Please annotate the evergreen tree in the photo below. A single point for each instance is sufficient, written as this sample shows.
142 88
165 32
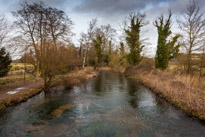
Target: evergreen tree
109 51
137 21
122 49
165 49
5 61
123 59
98 46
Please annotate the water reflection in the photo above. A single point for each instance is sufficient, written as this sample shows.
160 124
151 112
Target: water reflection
108 106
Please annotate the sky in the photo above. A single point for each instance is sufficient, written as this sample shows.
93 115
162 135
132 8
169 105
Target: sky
111 12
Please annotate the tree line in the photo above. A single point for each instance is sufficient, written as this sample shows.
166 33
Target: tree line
188 41
43 35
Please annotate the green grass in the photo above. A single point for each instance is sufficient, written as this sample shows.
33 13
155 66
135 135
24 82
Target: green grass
17 77
20 66
13 78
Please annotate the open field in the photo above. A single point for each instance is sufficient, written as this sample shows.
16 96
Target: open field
176 67
20 66
13 78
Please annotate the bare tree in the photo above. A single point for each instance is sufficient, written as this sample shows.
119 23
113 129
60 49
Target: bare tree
4 30
202 60
40 24
29 21
59 24
109 35
44 29
192 26
84 46
86 39
5 58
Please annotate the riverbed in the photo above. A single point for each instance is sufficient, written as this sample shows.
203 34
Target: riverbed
109 105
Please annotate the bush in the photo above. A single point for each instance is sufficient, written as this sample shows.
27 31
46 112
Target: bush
147 61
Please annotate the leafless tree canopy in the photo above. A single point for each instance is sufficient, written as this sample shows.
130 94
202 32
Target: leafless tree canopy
192 26
44 28
86 40
4 30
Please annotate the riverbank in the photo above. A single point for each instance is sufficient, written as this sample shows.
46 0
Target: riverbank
14 81
74 78
118 69
184 91
69 80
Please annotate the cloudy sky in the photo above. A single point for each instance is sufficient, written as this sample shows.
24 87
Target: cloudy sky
109 12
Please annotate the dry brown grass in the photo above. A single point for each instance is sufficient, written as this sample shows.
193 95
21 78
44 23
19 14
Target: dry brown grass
104 68
119 69
76 77
16 84
185 91
14 78
9 100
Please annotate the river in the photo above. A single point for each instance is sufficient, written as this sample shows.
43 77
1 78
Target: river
109 105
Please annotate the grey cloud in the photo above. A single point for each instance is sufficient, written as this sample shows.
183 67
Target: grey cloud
180 5
61 4
177 6
110 7
10 5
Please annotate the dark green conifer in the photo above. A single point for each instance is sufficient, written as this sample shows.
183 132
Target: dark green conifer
5 61
98 46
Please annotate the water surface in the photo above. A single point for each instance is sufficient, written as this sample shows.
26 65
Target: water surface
109 105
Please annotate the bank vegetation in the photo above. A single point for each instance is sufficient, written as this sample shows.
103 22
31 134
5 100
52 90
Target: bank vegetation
74 78
183 90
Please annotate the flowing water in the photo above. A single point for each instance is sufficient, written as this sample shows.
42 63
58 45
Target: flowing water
109 105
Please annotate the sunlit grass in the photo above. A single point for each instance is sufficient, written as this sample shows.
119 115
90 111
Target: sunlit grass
13 78
20 66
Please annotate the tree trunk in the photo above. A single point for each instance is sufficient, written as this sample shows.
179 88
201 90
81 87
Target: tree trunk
85 56
189 66
201 63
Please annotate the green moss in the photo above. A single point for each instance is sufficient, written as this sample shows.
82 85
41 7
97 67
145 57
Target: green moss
202 117
132 77
11 104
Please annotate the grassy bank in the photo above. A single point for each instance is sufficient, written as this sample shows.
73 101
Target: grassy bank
10 100
74 78
184 91
12 81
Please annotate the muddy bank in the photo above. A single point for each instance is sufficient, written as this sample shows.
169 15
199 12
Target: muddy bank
180 90
68 81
